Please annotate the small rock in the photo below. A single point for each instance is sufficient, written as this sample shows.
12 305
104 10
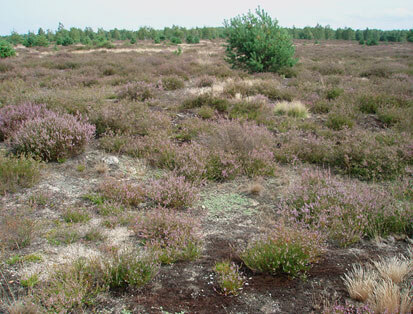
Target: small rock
111 160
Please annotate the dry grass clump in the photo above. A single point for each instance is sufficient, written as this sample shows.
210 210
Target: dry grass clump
394 268
384 287
295 109
255 188
360 282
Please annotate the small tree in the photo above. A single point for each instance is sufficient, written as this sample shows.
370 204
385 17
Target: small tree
258 44
6 49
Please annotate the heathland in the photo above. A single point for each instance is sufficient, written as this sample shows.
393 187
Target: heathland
154 178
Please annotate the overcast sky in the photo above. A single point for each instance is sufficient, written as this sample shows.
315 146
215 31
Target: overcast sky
28 15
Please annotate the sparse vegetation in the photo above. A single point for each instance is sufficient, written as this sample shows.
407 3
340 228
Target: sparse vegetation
237 191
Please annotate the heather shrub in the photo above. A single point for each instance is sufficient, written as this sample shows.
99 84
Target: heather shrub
321 107
62 235
6 49
359 154
13 117
206 112
283 250
129 268
245 144
338 121
254 109
256 43
75 216
221 166
295 109
271 91
229 278
364 156
368 104
170 235
309 148
71 287
172 191
137 91
334 93
219 104
53 137
329 69
132 119
390 116
122 191
172 83
205 81
346 211
18 172
16 231
377 71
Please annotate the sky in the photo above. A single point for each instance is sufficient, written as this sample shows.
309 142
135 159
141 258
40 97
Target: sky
28 15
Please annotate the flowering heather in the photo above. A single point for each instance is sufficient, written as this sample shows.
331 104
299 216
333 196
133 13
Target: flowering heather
248 144
137 91
172 191
359 154
122 191
172 236
229 278
346 210
129 118
53 137
12 117
285 249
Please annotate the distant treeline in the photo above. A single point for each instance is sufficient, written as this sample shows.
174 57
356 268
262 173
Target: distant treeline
177 35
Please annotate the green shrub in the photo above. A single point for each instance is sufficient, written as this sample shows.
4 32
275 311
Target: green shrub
206 112
286 250
368 104
172 83
219 104
6 49
334 93
18 172
372 42
176 40
229 279
258 44
75 216
321 107
337 121
130 269
390 116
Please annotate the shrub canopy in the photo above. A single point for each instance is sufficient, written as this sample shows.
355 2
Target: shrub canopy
258 44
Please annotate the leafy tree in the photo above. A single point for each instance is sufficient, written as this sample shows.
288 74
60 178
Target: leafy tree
258 44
